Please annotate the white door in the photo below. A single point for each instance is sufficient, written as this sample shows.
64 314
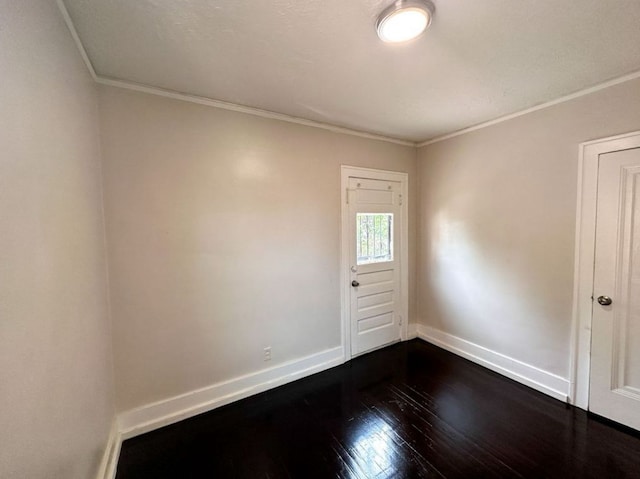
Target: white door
615 349
374 217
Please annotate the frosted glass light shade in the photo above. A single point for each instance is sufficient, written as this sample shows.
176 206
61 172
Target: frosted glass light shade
404 21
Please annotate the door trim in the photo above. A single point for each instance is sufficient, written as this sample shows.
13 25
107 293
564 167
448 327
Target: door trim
352 171
584 261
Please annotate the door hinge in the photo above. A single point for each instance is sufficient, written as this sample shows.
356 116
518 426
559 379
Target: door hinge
400 199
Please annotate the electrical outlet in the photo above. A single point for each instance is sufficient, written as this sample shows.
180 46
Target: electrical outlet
267 353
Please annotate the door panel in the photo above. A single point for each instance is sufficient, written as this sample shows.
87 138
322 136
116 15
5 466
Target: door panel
615 356
375 300
374 197
374 239
377 309
370 323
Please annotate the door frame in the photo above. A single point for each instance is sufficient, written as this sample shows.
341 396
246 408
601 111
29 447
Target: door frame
589 158
347 172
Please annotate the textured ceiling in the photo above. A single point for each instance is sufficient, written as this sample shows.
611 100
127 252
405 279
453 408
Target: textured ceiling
321 59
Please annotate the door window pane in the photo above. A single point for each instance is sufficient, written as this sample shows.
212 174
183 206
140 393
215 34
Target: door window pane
374 237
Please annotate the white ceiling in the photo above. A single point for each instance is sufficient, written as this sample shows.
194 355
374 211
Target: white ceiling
321 59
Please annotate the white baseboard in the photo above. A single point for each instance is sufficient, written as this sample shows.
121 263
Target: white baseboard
412 331
168 411
109 463
162 413
543 381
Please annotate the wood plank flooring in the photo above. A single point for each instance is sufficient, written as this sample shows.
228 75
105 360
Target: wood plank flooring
411 410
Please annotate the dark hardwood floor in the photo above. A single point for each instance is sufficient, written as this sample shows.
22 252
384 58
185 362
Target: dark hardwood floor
410 410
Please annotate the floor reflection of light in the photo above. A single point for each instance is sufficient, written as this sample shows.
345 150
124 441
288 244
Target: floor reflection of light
374 448
453 408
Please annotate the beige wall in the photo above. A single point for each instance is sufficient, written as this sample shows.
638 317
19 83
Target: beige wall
223 232
56 374
496 226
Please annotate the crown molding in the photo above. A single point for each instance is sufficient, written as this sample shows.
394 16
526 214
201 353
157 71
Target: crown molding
211 102
600 86
201 100
176 95
76 38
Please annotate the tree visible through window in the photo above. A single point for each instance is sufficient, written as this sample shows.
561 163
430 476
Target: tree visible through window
374 237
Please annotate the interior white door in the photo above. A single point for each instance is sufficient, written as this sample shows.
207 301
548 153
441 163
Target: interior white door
374 239
615 344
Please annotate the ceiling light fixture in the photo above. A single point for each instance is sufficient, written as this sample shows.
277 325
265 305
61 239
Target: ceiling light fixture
404 20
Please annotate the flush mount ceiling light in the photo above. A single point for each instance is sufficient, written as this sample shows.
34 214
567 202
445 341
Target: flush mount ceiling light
404 20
